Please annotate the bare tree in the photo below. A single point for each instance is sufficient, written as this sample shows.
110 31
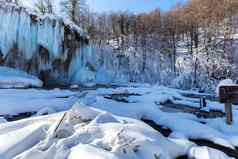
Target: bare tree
74 9
44 6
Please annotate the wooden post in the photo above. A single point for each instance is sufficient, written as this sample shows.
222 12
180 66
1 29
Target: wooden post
228 110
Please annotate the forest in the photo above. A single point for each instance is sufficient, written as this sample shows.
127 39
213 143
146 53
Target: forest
202 34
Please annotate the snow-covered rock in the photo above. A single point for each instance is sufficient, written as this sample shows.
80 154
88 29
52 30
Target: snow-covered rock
12 78
81 113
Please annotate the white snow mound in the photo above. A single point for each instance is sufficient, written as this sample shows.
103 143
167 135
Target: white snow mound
206 153
12 78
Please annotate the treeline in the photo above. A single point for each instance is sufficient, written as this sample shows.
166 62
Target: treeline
208 17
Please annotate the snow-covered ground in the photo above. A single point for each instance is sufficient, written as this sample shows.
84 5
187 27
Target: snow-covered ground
12 78
18 101
106 124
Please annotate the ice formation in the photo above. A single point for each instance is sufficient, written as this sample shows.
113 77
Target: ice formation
44 45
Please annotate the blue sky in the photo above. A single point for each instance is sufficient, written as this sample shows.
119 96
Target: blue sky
135 6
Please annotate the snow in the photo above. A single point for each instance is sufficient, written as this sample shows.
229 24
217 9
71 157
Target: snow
105 118
144 106
45 111
82 113
13 102
196 130
98 127
206 153
74 86
2 120
226 82
89 152
118 138
12 78
20 140
89 124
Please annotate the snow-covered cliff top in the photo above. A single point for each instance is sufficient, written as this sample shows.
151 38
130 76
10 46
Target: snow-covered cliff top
28 9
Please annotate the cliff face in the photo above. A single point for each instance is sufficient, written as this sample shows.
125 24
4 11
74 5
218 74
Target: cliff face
48 46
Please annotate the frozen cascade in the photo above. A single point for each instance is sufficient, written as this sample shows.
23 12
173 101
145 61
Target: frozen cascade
47 46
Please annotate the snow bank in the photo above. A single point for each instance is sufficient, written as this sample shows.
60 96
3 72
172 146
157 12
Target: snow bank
206 153
12 78
20 140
